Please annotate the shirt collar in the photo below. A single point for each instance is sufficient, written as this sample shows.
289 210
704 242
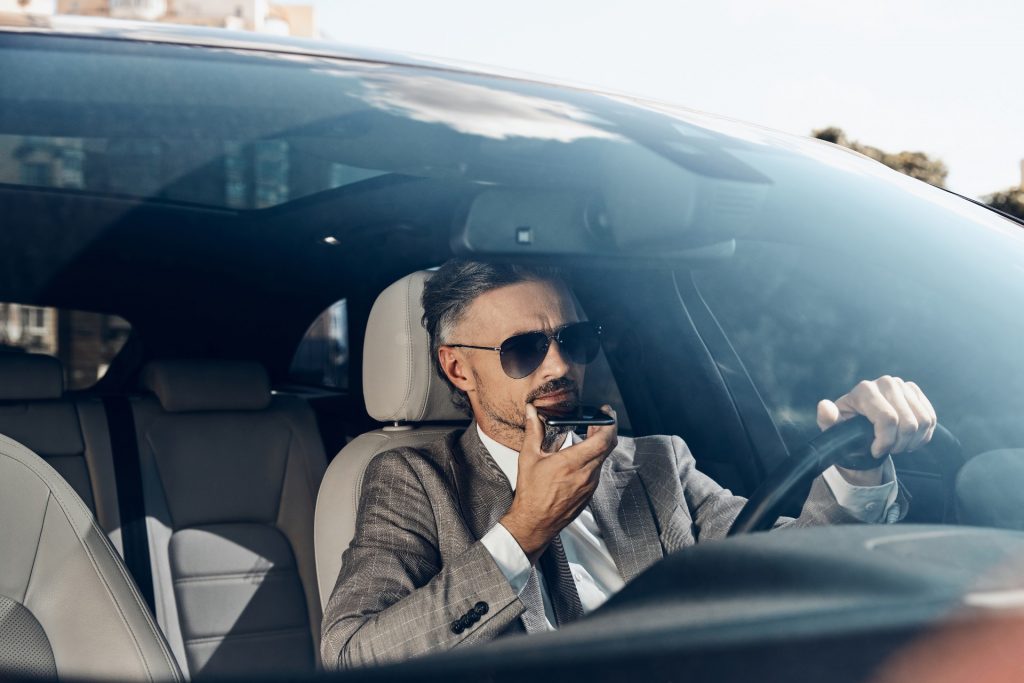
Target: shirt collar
506 458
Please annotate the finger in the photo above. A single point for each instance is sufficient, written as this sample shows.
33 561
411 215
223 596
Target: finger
906 430
921 413
866 399
592 451
609 435
828 414
933 419
534 438
607 410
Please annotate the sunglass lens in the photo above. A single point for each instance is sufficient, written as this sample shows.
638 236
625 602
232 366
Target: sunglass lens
581 342
523 353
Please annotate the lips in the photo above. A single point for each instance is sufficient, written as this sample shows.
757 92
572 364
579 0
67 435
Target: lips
559 403
557 397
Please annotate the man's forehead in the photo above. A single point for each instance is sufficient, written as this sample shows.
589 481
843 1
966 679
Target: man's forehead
522 307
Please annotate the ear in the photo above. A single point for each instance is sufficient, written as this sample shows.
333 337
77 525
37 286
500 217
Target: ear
454 365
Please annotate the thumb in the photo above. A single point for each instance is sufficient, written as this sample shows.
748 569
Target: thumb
828 414
534 438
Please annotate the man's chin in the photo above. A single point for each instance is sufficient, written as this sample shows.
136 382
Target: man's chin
553 437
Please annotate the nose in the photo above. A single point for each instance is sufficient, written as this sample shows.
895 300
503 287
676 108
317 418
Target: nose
555 364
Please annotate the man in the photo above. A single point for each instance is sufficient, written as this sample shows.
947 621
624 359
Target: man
514 525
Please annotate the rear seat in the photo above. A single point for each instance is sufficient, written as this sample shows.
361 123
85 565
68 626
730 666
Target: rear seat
71 435
230 477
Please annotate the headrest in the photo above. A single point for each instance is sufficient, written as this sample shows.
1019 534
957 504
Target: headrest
399 381
30 377
197 385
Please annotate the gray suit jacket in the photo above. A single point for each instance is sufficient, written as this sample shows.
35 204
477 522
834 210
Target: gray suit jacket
416 563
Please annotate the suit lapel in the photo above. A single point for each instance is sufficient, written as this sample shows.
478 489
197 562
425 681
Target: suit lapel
623 513
485 494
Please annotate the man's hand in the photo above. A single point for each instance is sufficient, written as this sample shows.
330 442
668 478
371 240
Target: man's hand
552 488
903 417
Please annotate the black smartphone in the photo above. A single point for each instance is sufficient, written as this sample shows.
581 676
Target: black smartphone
583 416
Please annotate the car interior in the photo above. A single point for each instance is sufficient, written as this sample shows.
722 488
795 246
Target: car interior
246 482
224 477
202 456
190 392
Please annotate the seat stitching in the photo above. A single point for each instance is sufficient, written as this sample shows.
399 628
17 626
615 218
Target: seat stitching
408 356
159 477
274 573
39 542
312 598
284 477
89 473
430 361
305 458
254 635
150 473
292 431
133 590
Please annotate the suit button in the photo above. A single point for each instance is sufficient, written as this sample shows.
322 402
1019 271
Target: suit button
457 627
473 617
480 608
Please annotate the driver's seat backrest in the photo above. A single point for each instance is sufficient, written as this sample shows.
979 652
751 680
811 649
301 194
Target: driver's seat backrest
68 608
402 389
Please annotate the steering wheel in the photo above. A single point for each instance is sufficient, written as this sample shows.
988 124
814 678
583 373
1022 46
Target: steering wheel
846 444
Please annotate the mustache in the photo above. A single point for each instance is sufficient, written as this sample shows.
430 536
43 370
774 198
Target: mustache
554 386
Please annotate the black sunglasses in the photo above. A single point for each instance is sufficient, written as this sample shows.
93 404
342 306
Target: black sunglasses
523 353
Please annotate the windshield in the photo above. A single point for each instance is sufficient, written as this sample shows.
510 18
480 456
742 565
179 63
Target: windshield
739 275
833 268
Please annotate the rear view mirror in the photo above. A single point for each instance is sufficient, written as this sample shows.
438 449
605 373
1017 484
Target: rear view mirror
501 222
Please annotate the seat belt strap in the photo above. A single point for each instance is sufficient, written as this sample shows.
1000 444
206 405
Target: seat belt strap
131 504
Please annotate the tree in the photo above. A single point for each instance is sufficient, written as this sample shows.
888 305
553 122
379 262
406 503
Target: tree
1009 201
914 164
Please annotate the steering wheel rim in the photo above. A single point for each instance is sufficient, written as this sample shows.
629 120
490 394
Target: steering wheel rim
846 444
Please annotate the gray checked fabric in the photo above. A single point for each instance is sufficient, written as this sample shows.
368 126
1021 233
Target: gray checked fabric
416 564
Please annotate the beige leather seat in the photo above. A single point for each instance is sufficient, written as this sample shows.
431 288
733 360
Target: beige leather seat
70 435
400 388
67 605
230 474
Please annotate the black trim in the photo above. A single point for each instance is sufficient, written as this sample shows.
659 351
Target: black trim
131 504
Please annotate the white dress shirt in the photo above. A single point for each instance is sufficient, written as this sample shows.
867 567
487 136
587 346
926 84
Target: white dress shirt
593 569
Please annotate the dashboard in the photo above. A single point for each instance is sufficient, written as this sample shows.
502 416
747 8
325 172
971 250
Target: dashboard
838 603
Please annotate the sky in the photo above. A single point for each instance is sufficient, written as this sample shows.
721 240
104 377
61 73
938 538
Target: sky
940 77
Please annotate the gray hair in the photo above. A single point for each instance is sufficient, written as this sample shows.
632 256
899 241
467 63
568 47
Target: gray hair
449 292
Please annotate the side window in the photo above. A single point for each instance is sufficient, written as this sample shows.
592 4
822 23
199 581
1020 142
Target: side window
321 358
809 324
84 342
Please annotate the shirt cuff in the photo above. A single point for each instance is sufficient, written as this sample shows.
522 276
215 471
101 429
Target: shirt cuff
871 504
509 557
